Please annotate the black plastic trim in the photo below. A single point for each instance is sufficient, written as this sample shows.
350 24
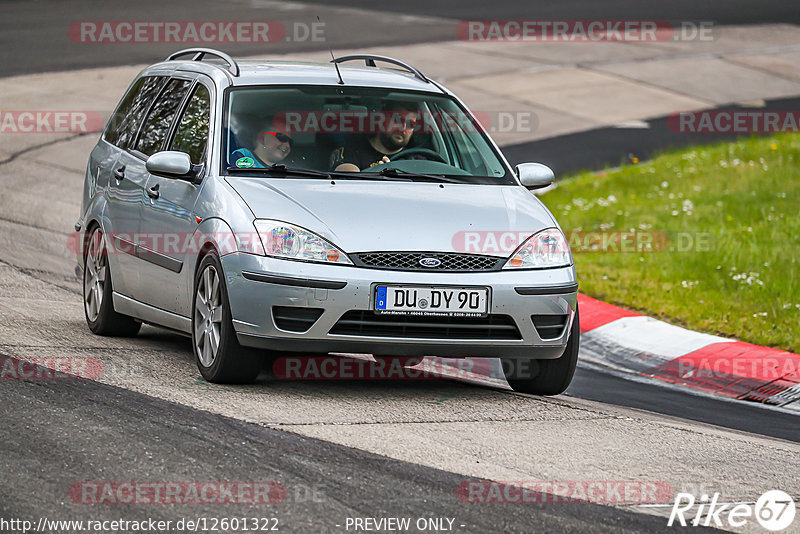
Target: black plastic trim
160 260
552 290
128 247
291 281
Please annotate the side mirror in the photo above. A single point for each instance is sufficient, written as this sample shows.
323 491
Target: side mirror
171 164
535 175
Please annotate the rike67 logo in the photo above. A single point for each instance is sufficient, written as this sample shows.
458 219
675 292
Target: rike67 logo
774 510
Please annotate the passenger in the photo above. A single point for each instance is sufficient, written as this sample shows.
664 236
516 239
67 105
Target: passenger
271 145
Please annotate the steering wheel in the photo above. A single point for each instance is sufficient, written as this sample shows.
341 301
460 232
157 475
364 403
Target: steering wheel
432 154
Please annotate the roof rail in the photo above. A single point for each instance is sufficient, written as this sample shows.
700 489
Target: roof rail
199 53
369 60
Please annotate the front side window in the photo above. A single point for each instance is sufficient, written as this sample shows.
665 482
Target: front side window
358 130
156 126
191 136
125 122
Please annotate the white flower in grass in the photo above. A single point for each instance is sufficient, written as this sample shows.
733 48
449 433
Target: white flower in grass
748 278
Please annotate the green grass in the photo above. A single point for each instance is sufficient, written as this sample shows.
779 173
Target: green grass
741 199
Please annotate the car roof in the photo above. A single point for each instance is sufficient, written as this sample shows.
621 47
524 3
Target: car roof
286 72
306 72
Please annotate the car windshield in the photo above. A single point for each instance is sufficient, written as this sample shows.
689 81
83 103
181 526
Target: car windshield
356 132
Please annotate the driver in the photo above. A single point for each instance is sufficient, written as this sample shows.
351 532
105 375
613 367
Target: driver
271 144
361 152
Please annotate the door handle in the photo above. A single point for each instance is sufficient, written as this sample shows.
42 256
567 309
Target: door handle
119 174
152 192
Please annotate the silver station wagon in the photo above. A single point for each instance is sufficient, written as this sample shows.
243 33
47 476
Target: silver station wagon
277 208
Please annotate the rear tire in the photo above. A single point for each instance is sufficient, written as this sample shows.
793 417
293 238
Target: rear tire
219 356
554 376
98 302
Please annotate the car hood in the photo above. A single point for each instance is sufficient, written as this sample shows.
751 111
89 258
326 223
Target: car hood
360 216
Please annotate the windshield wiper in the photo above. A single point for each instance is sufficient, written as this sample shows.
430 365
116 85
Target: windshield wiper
386 174
346 175
280 168
393 172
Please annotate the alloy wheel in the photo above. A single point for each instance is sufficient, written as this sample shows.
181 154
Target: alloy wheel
207 316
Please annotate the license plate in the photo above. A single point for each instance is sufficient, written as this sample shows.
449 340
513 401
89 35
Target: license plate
444 301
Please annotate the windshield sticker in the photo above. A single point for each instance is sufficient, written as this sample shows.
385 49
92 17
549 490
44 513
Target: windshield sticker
245 162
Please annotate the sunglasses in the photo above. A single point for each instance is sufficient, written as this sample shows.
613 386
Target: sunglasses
282 137
406 124
409 124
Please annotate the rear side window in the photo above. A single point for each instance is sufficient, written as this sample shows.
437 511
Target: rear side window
191 135
125 122
156 126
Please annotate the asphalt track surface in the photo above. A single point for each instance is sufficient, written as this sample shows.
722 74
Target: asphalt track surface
602 148
55 433
603 387
34 35
729 12
128 436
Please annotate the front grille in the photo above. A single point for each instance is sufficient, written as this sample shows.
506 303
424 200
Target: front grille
367 323
549 326
410 261
295 319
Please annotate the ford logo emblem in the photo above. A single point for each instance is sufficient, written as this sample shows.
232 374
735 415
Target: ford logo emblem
430 262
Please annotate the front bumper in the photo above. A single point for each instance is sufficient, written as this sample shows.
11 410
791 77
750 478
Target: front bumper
256 284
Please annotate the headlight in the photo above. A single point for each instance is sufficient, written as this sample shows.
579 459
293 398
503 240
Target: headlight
548 248
292 242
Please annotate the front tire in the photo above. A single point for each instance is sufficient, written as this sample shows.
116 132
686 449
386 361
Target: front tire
554 376
219 356
98 303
